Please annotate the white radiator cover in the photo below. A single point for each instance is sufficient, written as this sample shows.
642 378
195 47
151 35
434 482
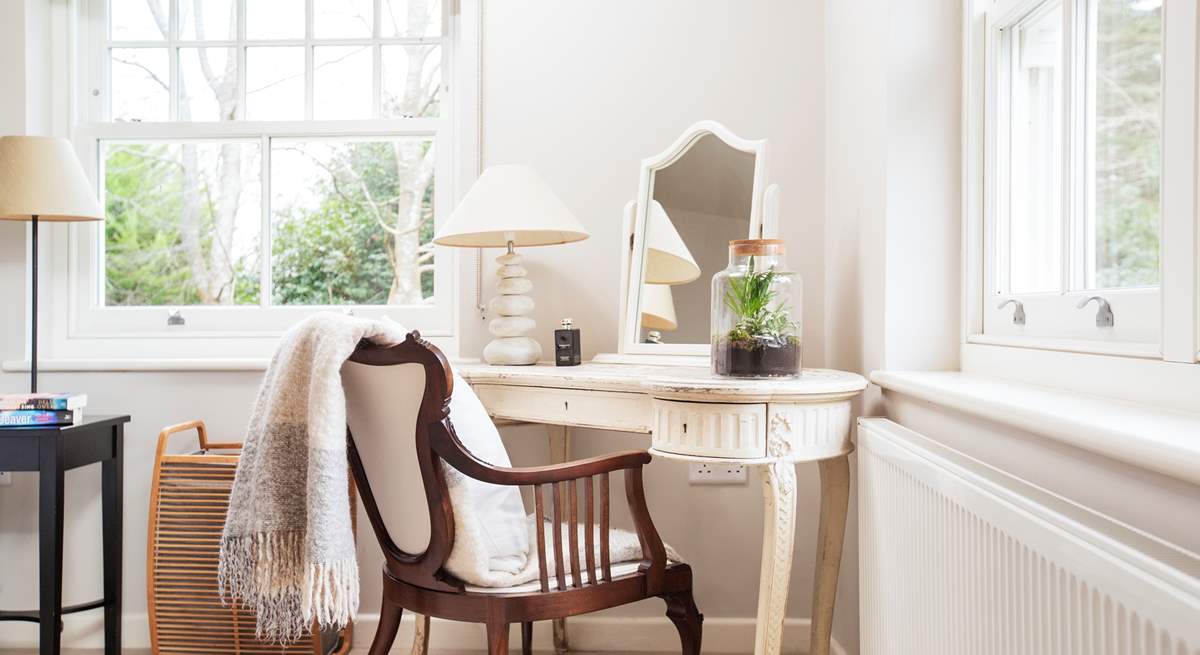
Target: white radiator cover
956 557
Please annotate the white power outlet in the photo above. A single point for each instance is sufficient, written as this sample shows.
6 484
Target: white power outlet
716 473
5 478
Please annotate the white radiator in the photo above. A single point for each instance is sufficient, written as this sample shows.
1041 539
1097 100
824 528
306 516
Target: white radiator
958 558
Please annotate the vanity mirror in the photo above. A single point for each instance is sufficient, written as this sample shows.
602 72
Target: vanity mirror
702 192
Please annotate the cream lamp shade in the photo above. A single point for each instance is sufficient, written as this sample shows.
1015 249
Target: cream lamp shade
668 260
41 176
510 203
658 307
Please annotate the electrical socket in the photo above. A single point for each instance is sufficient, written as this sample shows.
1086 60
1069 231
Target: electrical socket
5 478
717 473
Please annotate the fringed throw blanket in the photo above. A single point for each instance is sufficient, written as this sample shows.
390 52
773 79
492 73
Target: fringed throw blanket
288 547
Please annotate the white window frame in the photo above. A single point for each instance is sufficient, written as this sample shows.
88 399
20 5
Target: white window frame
81 328
1156 324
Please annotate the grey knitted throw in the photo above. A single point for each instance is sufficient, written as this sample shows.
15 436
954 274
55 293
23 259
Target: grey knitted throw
287 550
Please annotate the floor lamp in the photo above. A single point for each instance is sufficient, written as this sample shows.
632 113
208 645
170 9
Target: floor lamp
41 180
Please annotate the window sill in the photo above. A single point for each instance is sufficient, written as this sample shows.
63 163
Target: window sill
131 364
122 365
1149 437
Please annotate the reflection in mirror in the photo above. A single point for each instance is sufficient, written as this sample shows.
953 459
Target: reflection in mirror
697 205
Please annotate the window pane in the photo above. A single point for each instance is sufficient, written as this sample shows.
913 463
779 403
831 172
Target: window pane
184 223
138 20
343 18
275 83
352 221
1128 105
140 84
411 80
342 82
275 19
411 18
207 84
1034 228
207 20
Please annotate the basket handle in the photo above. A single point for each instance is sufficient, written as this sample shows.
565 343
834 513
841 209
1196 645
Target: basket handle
201 433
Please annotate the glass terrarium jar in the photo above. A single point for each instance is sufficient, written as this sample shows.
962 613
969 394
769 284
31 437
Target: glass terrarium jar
756 307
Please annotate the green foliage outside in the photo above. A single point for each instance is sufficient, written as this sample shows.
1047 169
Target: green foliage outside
338 253
1128 142
146 261
333 253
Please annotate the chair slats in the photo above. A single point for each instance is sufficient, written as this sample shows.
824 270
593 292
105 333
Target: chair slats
573 535
605 564
557 538
540 515
589 541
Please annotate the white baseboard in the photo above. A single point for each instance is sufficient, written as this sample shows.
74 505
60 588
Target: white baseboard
587 633
598 634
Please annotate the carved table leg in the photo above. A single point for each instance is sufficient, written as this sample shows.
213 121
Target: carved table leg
420 644
779 527
560 451
835 495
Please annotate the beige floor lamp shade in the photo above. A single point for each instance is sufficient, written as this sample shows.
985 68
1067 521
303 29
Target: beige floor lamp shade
41 179
511 206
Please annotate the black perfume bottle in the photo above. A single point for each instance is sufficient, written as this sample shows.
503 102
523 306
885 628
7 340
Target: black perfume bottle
566 344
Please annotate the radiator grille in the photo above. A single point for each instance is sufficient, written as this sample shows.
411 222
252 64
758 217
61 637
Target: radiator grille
958 559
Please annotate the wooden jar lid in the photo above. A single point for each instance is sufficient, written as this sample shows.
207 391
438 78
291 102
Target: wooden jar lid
756 247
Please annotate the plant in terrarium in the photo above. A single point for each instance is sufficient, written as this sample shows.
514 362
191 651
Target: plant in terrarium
762 339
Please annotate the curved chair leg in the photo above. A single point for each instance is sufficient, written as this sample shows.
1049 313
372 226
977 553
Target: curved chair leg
527 638
497 637
385 634
688 620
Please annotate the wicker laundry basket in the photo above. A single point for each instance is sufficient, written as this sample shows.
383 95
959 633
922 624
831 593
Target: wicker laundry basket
188 499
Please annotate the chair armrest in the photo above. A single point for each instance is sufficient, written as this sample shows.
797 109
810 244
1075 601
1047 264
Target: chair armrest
446 444
654 555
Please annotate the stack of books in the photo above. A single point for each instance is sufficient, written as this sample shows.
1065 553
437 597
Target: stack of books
41 409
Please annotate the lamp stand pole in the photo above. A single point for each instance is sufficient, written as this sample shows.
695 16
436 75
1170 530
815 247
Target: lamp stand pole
33 308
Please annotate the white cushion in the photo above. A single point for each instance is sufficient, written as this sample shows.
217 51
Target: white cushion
497 523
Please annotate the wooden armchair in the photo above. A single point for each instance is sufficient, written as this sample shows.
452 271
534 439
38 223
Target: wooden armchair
419 582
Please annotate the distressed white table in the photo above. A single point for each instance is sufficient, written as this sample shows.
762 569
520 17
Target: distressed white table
695 416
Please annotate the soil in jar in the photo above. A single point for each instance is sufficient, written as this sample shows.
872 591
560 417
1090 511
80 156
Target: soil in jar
757 358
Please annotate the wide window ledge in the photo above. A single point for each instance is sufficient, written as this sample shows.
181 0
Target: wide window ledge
133 364
1154 438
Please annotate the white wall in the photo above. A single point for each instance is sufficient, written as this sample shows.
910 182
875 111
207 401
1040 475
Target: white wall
891 200
582 92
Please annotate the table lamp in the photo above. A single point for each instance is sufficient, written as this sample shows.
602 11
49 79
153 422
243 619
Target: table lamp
41 179
668 260
510 206
658 307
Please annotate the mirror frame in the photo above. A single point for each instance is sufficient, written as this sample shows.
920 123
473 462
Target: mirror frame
763 224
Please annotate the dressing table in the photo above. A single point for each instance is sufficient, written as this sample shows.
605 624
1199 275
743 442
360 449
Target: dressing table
707 188
687 412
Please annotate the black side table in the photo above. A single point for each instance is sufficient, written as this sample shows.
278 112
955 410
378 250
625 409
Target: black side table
52 451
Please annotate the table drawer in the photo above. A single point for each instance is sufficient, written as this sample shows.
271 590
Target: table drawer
609 410
710 429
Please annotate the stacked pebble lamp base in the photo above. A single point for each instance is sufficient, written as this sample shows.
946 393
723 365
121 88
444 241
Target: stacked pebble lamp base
511 345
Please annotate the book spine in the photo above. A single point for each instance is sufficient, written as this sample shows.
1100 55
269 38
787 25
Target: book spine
36 404
19 418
